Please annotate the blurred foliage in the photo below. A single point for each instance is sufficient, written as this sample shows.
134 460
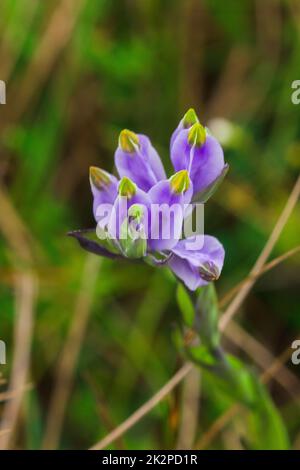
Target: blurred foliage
77 72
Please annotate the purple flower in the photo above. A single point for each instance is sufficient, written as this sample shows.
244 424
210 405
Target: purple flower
142 214
137 159
104 188
157 216
197 267
173 193
128 195
189 119
195 150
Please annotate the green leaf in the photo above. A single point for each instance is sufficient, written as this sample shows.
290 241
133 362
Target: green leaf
242 381
233 380
265 428
265 425
202 356
186 306
207 314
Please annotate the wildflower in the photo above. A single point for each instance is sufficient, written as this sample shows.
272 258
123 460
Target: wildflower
197 268
137 159
104 188
189 119
145 211
201 154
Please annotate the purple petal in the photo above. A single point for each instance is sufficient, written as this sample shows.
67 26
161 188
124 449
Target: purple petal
106 194
120 211
143 166
167 214
178 129
197 267
189 119
206 193
204 163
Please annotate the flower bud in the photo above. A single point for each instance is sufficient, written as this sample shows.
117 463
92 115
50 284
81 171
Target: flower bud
128 141
197 135
136 212
133 240
180 182
99 178
127 188
190 118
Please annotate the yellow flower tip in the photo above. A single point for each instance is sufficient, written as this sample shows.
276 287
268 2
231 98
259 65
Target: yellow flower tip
180 182
127 188
197 135
99 178
128 141
190 118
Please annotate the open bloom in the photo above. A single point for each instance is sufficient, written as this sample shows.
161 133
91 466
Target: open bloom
197 268
142 215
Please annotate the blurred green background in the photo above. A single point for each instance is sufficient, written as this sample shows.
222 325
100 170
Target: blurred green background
101 332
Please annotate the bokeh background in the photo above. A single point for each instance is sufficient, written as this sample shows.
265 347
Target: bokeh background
97 336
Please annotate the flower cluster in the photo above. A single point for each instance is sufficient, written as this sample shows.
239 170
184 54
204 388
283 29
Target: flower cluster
199 166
